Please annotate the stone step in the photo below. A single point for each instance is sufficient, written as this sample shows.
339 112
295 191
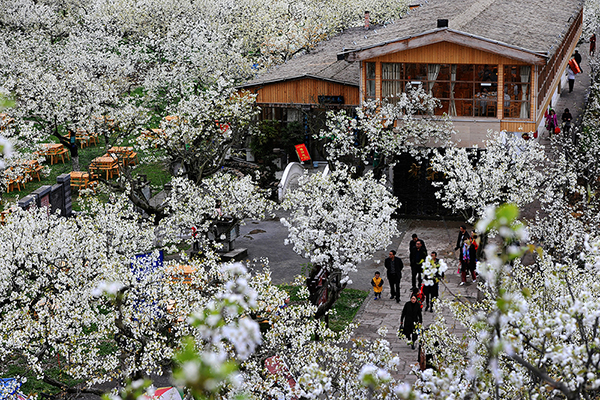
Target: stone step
235 255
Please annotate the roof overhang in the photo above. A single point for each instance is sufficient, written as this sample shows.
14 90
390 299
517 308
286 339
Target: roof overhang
445 35
294 78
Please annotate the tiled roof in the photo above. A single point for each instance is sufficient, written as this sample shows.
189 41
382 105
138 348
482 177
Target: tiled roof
320 63
535 26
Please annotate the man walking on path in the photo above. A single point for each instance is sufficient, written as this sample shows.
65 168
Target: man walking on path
412 246
577 58
416 263
393 266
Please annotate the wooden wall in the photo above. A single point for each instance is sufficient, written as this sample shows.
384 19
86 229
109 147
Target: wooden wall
517 126
304 91
446 53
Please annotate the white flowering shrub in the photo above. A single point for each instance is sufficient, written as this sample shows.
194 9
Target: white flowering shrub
433 271
508 170
336 222
383 130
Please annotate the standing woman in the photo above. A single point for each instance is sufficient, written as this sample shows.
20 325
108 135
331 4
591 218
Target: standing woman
551 122
473 257
411 315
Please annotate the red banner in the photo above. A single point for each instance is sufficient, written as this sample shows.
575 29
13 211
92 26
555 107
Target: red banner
302 152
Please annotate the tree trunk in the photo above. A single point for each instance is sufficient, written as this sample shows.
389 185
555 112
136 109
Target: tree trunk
324 289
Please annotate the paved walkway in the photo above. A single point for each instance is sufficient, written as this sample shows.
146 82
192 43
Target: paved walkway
439 236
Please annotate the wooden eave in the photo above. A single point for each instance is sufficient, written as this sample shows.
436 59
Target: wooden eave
294 78
445 35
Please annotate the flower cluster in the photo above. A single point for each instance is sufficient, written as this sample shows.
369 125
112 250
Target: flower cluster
433 271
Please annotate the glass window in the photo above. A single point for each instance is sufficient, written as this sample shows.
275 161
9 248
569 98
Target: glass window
392 75
464 90
516 91
370 87
370 70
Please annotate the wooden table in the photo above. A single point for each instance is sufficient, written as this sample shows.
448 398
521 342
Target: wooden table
80 179
86 139
125 155
54 151
32 169
106 163
15 181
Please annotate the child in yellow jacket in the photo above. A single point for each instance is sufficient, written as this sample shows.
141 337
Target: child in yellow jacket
377 284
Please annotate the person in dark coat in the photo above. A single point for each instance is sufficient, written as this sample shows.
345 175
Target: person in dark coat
566 119
418 256
411 315
577 58
412 246
462 235
394 266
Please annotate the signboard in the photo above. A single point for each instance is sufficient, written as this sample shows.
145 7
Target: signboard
302 152
276 366
143 265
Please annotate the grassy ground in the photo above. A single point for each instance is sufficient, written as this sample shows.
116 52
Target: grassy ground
345 308
156 172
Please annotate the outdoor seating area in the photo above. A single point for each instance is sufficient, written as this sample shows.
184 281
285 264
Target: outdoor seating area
15 183
81 180
54 151
105 164
28 170
86 139
125 155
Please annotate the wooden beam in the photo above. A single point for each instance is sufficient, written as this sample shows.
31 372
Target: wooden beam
446 35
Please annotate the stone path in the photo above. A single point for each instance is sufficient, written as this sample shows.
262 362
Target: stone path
439 236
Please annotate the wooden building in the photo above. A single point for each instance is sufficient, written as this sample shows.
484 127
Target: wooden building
494 64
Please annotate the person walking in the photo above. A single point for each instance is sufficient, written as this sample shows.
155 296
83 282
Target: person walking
412 246
411 315
592 45
432 291
469 261
462 235
577 58
566 120
571 76
416 264
377 284
551 122
394 266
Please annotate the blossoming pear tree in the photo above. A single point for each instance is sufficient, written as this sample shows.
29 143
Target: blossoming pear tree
336 222
89 294
381 131
508 170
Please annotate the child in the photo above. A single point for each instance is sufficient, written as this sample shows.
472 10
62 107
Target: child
377 284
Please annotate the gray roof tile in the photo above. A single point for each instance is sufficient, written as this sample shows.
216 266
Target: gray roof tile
532 25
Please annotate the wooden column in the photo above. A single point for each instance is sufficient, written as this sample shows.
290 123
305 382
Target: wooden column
362 84
500 94
378 80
